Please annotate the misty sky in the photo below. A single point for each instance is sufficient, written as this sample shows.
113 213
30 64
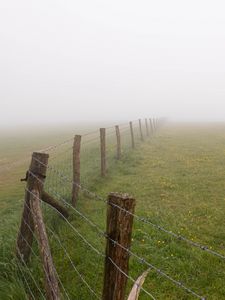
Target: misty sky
122 59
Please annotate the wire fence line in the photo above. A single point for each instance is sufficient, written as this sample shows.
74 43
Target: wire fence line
140 259
64 165
91 247
59 182
95 250
142 219
131 253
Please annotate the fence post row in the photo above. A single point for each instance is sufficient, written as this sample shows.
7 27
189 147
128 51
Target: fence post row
140 128
76 169
103 151
132 135
118 231
118 140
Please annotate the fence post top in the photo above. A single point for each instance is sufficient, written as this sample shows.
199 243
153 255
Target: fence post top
40 154
122 196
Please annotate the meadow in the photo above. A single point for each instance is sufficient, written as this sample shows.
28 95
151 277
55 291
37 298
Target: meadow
177 179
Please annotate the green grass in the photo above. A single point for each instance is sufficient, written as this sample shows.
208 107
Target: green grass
177 179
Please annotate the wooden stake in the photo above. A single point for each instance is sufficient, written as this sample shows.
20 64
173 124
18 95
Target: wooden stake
118 142
35 179
132 135
103 151
140 128
51 283
76 169
119 229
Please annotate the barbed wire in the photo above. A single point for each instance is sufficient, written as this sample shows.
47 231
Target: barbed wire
179 237
140 259
71 226
159 271
92 247
97 251
141 218
131 279
72 263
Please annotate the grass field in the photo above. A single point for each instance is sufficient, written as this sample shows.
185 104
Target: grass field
177 178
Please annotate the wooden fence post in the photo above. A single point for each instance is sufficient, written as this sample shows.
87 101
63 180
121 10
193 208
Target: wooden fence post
140 128
147 128
103 151
151 125
51 282
35 179
76 169
118 230
154 123
132 135
118 140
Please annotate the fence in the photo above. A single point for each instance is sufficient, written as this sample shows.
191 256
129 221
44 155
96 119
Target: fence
65 217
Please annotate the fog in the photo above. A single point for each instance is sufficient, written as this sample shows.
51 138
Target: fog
91 60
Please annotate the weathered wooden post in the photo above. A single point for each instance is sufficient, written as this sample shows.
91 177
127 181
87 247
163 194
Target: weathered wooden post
147 128
35 179
76 169
118 231
118 140
103 151
51 282
140 128
132 135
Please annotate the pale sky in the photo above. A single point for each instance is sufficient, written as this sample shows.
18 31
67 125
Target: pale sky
65 61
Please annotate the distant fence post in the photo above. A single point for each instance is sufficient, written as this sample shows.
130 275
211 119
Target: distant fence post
103 151
118 140
154 124
132 135
51 282
118 230
35 179
140 128
151 125
76 169
147 128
